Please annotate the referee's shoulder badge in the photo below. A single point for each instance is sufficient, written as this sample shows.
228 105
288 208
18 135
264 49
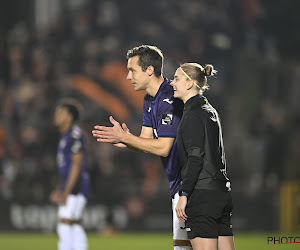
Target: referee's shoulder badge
167 119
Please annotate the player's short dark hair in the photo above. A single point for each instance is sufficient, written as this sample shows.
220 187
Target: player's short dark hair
73 107
148 56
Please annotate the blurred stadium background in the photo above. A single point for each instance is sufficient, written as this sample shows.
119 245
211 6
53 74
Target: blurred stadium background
51 49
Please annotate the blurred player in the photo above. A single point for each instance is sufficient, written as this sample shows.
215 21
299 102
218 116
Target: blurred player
72 190
160 120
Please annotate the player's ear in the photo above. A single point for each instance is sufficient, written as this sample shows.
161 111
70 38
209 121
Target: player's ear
150 70
190 84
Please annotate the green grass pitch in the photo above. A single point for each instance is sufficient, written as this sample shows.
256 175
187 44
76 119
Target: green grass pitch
124 241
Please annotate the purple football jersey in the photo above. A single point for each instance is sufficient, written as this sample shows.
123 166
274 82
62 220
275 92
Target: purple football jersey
162 112
70 143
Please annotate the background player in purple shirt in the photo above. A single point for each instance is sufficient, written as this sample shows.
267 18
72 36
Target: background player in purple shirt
161 118
72 190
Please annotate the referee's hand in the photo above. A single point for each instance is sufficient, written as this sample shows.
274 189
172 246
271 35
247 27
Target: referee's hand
180 208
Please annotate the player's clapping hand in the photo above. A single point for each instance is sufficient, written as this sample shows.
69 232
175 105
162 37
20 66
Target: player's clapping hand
120 144
110 134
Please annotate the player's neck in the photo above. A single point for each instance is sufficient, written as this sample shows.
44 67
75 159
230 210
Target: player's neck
65 127
154 85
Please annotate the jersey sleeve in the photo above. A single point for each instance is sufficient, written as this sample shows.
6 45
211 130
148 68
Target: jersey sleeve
146 119
168 117
193 131
76 142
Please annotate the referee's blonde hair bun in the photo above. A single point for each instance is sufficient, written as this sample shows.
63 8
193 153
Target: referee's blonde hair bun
209 70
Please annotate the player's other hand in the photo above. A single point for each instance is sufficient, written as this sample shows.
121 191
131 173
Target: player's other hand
58 198
54 196
62 198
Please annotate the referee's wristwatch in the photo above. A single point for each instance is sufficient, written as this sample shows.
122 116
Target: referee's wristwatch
182 193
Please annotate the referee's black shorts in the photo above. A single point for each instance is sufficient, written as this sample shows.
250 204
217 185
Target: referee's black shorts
209 214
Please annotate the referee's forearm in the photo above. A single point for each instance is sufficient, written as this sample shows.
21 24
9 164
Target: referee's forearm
193 168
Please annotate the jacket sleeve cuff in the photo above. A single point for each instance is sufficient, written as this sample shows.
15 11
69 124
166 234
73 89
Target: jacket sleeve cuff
182 193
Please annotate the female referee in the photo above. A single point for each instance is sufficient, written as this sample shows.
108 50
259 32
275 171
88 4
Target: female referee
205 203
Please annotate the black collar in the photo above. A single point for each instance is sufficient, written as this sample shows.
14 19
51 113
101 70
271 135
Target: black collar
197 99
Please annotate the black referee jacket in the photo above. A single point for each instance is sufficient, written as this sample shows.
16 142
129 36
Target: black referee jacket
200 147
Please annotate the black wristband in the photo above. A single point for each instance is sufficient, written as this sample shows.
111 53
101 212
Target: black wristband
182 193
